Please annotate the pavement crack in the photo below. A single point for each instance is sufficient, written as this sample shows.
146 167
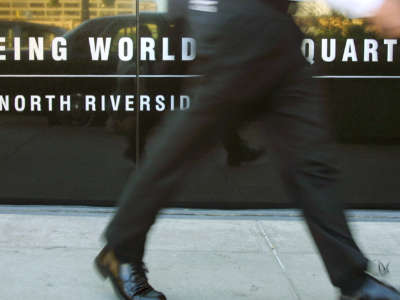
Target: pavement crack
54 247
274 251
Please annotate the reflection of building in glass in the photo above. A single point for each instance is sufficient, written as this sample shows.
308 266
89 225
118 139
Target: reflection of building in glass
67 13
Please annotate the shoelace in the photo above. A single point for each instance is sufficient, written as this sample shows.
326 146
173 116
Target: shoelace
138 275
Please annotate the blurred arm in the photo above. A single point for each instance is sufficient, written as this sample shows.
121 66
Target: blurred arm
384 14
356 8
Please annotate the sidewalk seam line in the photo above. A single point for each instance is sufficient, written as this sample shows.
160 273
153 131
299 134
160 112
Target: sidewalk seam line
276 255
2 248
291 214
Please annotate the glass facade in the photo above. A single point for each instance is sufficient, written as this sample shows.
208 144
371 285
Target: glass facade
81 98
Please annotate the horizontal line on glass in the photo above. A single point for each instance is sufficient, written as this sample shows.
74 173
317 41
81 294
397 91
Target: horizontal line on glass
92 76
359 76
176 76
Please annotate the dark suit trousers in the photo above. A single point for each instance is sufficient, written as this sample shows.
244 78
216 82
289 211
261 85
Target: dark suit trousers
253 59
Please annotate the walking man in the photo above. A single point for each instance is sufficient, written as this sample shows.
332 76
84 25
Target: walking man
250 55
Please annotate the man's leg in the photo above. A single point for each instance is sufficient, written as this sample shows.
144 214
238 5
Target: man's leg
242 38
305 149
182 139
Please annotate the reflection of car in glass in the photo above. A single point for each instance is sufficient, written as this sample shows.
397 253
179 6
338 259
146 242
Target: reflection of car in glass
79 74
12 29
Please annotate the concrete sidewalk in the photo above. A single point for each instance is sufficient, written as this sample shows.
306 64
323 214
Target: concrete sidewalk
47 253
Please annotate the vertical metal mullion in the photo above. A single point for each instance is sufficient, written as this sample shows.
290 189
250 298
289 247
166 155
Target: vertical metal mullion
137 83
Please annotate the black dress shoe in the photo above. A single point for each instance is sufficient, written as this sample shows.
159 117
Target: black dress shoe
373 289
128 279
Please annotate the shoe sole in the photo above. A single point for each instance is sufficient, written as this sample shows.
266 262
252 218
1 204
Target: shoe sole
105 274
101 270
